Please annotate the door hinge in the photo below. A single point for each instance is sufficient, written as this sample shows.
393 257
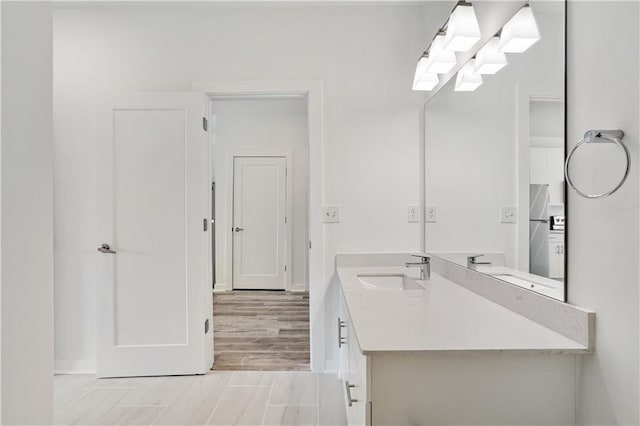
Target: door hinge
285 219
205 124
285 268
205 221
206 326
309 244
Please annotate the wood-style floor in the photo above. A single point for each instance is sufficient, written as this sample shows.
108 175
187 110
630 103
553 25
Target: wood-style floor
217 398
261 330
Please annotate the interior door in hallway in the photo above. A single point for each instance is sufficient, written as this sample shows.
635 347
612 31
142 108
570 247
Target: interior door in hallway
259 223
153 196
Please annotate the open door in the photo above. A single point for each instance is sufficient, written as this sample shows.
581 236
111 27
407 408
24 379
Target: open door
154 291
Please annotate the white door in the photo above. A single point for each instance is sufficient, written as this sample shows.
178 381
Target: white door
152 200
259 228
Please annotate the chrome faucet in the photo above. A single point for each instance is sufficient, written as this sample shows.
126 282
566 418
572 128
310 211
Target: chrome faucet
424 265
472 261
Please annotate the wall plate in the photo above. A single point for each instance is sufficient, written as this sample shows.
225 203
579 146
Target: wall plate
413 214
430 214
508 214
331 214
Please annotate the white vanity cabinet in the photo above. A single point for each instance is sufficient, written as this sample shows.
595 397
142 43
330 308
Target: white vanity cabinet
453 388
444 355
354 371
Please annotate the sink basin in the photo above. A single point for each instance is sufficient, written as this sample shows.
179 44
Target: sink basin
388 282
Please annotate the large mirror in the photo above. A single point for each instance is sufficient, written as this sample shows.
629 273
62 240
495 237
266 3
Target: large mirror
494 156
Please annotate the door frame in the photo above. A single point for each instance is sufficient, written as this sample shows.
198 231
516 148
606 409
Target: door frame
318 285
229 198
524 94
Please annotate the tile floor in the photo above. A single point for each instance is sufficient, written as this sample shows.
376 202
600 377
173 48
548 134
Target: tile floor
217 398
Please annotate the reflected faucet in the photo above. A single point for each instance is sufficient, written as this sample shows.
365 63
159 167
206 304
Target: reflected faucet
472 261
424 265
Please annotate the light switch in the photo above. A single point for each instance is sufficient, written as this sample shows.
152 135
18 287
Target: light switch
331 214
413 214
508 214
430 214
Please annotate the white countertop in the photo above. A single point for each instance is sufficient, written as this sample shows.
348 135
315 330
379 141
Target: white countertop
443 317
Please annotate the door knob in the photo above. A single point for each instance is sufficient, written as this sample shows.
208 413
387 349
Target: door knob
239 229
106 248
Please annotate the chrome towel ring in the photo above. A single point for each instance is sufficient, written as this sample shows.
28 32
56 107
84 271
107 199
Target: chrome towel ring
599 136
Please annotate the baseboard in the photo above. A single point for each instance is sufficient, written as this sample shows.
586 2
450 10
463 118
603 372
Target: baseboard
221 287
300 287
74 366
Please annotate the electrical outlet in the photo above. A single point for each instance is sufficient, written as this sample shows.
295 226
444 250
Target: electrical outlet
413 214
430 214
331 214
508 214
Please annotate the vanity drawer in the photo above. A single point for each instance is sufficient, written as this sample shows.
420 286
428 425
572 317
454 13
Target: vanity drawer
342 339
353 370
357 413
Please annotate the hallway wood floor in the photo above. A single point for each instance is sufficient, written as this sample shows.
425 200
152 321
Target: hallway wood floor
261 330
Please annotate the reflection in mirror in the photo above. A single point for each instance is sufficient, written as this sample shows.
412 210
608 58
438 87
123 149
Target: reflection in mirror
494 156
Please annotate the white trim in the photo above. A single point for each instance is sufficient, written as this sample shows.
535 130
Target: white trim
74 366
312 89
221 288
422 187
298 287
229 194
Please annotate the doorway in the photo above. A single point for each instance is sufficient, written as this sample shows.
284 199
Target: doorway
260 163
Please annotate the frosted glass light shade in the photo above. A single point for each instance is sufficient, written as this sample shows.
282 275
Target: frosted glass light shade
439 60
520 33
424 80
489 59
467 80
463 30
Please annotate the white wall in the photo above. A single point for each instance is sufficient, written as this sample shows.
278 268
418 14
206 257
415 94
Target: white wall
0 209
471 152
603 241
364 55
264 125
27 214
546 154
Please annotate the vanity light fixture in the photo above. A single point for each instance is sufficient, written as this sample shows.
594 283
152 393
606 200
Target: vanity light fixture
424 80
462 30
489 59
520 33
438 60
467 79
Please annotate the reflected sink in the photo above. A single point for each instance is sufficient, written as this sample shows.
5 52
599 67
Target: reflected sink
521 282
388 282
